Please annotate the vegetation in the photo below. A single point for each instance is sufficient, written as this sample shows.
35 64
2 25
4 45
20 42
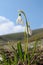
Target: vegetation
18 57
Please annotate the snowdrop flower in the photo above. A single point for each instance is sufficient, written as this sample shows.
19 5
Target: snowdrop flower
29 31
19 20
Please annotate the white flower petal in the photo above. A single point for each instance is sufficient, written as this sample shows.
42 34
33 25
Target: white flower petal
19 20
30 31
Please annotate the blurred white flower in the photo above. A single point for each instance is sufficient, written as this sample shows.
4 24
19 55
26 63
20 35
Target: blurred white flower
19 20
29 31
1 59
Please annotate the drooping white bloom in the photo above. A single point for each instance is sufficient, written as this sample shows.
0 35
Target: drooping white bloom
29 31
19 20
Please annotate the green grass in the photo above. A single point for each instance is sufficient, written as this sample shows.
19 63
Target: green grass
19 55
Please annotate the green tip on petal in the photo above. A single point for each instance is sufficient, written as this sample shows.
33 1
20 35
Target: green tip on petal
19 14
